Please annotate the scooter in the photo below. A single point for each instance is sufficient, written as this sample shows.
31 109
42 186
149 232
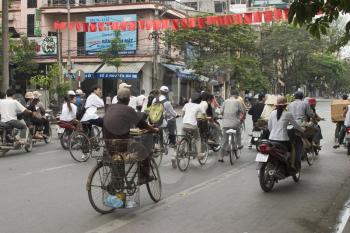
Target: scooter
274 164
9 140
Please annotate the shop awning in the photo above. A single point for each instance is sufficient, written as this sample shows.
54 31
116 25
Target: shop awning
182 72
125 71
89 69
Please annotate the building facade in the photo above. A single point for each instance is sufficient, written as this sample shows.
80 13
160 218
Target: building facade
35 19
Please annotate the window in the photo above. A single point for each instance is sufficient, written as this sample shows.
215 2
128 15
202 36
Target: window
31 3
52 34
81 43
220 7
192 5
30 25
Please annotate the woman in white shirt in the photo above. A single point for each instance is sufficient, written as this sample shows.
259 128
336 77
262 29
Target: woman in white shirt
190 112
278 122
69 109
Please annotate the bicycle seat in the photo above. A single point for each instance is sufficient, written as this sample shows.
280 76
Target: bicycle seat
231 131
66 125
279 146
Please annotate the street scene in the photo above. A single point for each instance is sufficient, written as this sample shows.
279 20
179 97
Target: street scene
175 116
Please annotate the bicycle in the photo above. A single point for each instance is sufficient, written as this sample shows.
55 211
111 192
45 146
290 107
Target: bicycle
117 174
234 151
186 150
160 144
84 140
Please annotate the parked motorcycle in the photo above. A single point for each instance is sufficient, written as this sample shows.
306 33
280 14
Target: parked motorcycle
9 141
274 165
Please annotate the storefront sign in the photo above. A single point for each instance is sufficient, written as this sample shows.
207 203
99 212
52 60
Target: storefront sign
100 40
117 76
46 46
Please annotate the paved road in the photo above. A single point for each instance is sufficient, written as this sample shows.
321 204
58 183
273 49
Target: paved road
44 192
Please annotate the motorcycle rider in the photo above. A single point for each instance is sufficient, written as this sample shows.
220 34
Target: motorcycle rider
301 112
278 122
231 119
9 109
39 109
94 102
255 111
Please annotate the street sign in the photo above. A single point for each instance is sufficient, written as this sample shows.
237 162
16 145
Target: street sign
80 76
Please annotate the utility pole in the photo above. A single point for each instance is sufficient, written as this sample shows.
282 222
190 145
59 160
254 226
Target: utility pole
59 56
5 47
69 63
155 36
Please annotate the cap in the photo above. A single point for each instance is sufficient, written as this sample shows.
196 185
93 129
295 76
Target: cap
123 85
36 94
29 95
79 92
123 93
70 92
164 88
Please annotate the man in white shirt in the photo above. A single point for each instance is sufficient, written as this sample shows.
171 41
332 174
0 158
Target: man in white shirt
141 101
9 108
94 102
133 99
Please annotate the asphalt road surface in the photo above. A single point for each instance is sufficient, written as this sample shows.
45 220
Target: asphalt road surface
44 192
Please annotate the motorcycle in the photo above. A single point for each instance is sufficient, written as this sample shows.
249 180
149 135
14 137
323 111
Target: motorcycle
347 139
274 165
9 140
37 132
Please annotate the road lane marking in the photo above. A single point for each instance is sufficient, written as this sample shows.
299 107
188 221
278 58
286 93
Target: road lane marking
114 225
343 218
49 169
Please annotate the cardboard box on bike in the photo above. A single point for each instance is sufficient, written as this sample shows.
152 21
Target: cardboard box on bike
337 109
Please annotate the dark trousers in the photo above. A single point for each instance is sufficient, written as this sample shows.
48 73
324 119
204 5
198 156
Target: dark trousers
98 122
19 124
42 122
341 135
172 129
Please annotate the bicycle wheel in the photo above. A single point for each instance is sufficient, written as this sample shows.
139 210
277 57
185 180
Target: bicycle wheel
182 155
154 187
97 185
79 146
205 149
64 139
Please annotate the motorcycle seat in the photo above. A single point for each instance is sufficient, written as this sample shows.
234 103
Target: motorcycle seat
279 146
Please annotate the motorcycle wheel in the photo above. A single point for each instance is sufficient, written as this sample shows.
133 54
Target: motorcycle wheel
348 148
29 146
266 182
296 177
48 139
310 157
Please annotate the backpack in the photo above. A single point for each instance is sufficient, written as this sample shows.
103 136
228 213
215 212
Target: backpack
155 112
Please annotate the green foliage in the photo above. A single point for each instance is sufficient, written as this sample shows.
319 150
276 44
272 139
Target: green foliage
47 81
110 56
303 13
222 50
22 53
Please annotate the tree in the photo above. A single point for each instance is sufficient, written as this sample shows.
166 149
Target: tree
304 12
221 50
110 56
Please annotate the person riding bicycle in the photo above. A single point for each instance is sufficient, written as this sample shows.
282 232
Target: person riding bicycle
301 112
9 110
133 99
278 122
69 109
231 119
169 120
189 119
118 121
93 103
202 118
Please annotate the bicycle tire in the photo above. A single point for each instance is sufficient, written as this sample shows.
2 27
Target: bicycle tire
157 154
154 187
79 142
96 172
205 148
64 139
183 155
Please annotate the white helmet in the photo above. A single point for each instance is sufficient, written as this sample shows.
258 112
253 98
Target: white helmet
164 89
70 92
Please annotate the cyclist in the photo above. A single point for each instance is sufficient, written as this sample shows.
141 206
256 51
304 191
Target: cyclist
69 109
133 99
231 119
301 112
278 122
189 113
202 118
94 102
118 121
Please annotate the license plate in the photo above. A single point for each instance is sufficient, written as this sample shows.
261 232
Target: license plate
261 158
256 134
60 130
